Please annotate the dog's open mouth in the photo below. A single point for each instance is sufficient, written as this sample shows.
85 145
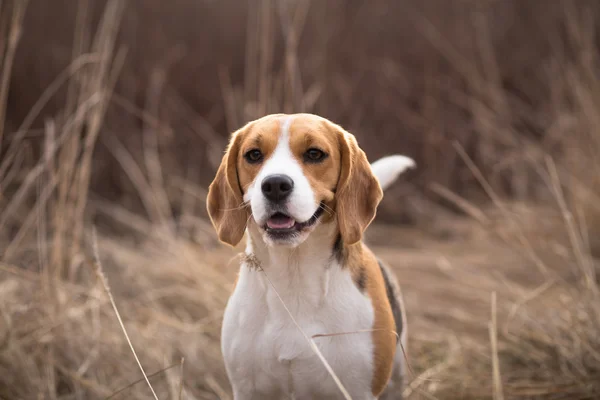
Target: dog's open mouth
280 223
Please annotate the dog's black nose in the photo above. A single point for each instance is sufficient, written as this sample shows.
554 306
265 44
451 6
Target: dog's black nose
277 187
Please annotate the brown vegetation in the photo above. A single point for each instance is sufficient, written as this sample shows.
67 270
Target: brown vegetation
115 113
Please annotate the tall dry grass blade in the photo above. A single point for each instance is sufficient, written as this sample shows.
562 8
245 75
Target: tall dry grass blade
70 153
198 125
152 375
429 373
311 342
142 115
102 80
543 269
49 143
150 152
69 156
136 176
292 24
212 383
15 167
43 196
43 199
121 215
181 379
466 206
100 274
251 78
42 234
527 298
81 42
4 23
32 175
229 100
436 38
584 261
37 108
493 331
265 79
318 335
14 35
81 189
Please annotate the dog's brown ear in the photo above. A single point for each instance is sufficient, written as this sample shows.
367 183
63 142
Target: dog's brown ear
224 202
358 193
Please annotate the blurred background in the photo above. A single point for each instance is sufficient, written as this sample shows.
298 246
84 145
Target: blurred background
115 114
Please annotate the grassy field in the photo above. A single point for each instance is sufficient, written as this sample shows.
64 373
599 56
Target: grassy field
114 115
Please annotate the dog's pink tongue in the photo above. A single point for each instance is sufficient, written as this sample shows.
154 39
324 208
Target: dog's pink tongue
280 222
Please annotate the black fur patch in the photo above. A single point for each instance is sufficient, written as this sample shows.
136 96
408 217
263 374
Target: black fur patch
338 249
396 308
361 281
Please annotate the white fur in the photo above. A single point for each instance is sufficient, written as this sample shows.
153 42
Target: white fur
265 355
387 169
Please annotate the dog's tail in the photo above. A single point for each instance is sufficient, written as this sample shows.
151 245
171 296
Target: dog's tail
387 169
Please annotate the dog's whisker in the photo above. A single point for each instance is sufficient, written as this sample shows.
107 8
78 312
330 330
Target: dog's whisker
248 220
327 209
240 207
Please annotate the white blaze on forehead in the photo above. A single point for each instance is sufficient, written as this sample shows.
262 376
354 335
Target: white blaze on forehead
285 131
301 204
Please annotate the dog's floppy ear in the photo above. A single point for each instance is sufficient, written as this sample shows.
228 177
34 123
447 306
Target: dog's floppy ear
224 202
358 192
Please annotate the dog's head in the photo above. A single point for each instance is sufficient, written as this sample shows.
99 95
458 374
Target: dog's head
289 173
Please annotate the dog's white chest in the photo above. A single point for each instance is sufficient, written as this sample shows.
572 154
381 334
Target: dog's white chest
268 357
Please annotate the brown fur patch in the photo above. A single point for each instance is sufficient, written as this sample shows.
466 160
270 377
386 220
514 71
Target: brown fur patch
359 191
306 132
224 202
263 136
362 262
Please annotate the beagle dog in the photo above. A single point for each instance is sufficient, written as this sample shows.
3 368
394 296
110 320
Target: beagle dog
303 191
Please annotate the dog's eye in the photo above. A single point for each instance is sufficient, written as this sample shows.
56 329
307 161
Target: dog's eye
314 155
253 156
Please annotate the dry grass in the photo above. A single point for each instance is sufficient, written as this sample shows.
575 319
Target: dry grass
503 301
